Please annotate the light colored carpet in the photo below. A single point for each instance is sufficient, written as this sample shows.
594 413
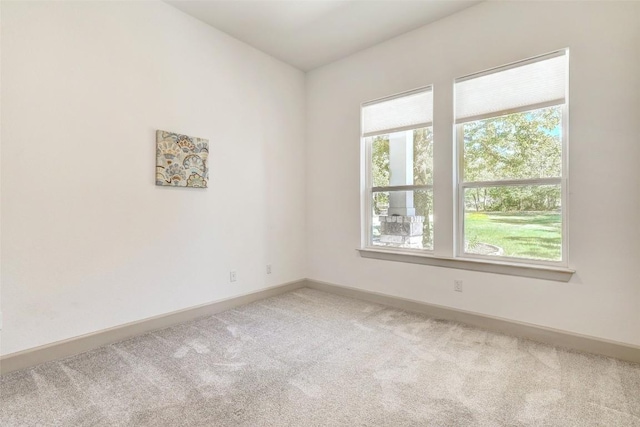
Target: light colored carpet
309 358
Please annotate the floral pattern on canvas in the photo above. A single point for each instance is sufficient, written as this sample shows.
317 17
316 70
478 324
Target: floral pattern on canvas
181 160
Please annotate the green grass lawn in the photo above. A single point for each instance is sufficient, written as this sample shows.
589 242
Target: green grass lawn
535 235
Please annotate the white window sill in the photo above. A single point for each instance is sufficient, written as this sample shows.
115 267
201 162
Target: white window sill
546 272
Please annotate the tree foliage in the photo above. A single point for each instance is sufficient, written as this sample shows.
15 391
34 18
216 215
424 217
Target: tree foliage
423 175
380 161
515 146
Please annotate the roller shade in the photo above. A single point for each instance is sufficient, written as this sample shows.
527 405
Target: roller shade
402 112
536 83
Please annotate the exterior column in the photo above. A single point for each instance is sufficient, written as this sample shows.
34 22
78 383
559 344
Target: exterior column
401 173
401 227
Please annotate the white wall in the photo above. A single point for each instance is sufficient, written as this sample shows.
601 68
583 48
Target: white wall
88 240
603 297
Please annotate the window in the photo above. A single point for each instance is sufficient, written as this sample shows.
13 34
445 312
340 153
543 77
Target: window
511 148
398 142
506 211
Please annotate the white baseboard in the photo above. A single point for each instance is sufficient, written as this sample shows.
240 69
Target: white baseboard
69 347
533 332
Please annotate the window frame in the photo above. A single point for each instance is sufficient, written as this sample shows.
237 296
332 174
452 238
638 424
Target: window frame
460 185
447 242
366 141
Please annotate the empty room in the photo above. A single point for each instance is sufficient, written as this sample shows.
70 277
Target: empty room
319 213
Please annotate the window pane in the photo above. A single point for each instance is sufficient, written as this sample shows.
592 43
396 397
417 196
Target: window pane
519 222
403 219
515 146
402 158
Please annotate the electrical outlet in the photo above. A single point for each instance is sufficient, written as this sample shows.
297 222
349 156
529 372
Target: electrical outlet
232 276
268 268
457 285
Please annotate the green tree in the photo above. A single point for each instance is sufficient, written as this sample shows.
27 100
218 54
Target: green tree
515 146
423 175
380 170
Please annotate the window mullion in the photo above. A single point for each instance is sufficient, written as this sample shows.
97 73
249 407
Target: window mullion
401 188
512 182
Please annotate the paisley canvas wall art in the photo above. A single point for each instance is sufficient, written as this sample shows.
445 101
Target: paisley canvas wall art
181 160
